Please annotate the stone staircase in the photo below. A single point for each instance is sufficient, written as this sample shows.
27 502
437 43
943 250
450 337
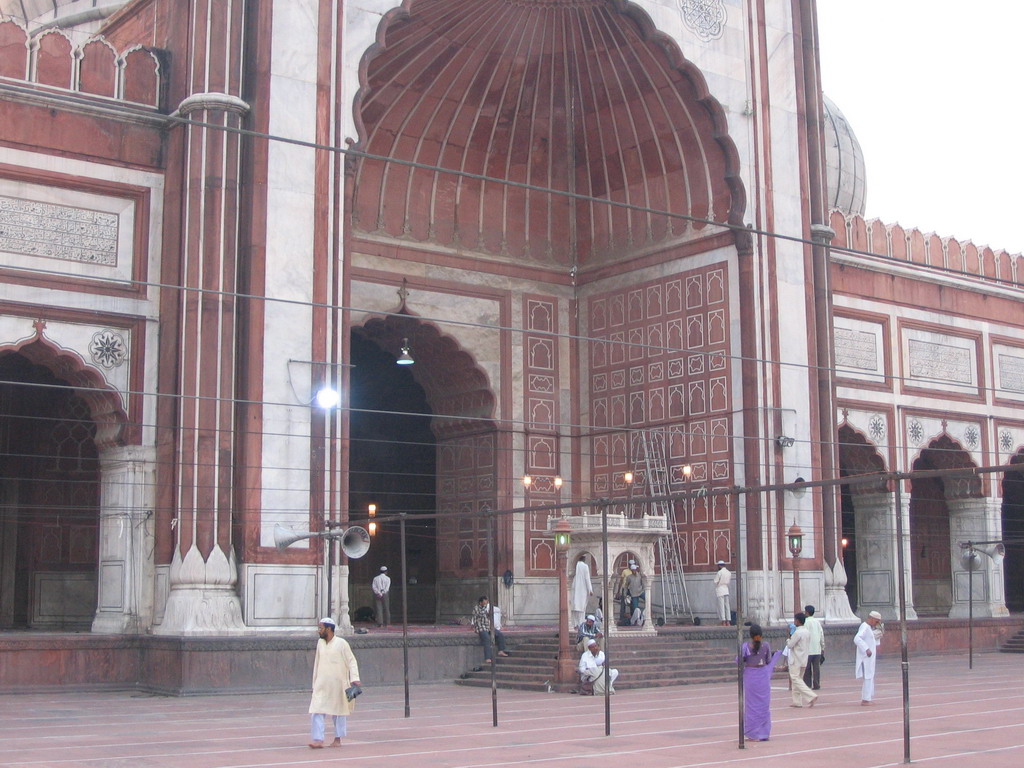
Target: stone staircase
643 662
1014 645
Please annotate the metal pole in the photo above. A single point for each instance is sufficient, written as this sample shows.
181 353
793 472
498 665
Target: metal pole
904 662
970 609
330 572
405 615
740 613
490 608
608 635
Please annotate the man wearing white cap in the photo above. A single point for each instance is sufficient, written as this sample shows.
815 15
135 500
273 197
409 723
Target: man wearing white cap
381 586
591 670
335 673
587 631
867 647
722 579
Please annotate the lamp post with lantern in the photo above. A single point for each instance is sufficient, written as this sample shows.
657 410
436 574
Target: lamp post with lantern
564 670
795 539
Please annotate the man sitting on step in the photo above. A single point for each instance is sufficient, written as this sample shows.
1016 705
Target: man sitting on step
591 671
587 631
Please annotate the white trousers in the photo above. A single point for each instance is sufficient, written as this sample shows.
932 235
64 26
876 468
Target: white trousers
867 690
723 608
613 675
316 728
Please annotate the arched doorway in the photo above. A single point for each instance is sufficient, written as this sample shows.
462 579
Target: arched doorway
392 465
934 501
1013 535
424 441
49 500
868 536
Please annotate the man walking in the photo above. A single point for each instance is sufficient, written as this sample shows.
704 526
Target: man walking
798 645
722 579
816 651
334 672
482 626
867 646
381 586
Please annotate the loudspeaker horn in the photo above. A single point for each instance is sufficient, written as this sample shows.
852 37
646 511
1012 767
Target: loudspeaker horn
996 551
355 542
971 560
285 537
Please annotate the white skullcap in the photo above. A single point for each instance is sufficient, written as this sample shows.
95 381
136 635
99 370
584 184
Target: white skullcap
383 568
327 621
591 617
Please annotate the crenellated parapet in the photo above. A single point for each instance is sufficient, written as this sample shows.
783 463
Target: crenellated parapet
927 249
94 68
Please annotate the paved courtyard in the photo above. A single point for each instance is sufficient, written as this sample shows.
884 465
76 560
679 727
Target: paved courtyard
960 719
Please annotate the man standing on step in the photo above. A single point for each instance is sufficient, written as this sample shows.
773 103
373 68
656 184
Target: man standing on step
816 652
582 589
482 626
722 579
381 586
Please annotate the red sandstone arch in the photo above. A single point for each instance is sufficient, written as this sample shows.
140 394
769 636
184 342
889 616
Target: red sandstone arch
582 96
858 456
104 402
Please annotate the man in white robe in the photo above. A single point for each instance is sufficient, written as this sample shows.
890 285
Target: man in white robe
591 669
721 581
334 671
582 589
867 647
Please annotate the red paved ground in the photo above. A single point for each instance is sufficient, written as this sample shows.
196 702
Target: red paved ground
960 719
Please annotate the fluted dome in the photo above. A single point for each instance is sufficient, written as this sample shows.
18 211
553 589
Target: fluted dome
844 163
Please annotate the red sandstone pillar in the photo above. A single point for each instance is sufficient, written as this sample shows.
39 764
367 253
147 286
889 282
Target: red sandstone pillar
203 597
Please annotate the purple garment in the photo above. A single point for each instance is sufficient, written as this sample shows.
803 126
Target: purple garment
757 690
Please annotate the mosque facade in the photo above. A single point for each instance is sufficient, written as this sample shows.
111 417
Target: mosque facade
616 237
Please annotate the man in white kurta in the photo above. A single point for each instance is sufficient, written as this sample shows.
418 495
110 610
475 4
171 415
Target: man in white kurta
867 646
334 671
582 589
381 586
722 578
799 644
591 669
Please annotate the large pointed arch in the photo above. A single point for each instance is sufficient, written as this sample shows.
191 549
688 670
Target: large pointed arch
584 96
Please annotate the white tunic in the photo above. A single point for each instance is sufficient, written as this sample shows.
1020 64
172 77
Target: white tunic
334 669
865 641
581 587
722 579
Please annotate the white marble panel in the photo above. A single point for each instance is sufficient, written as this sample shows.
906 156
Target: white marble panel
277 595
859 349
111 586
294 46
939 361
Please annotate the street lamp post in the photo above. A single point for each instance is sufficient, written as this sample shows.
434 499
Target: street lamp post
565 666
796 545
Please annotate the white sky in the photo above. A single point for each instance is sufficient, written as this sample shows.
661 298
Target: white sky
934 90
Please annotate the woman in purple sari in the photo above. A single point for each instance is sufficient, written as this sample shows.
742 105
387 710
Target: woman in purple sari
758 666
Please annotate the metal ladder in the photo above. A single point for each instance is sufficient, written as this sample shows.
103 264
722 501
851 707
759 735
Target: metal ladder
649 447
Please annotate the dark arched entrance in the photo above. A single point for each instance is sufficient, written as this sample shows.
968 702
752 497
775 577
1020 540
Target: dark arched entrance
392 465
1013 535
49 500
424 441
